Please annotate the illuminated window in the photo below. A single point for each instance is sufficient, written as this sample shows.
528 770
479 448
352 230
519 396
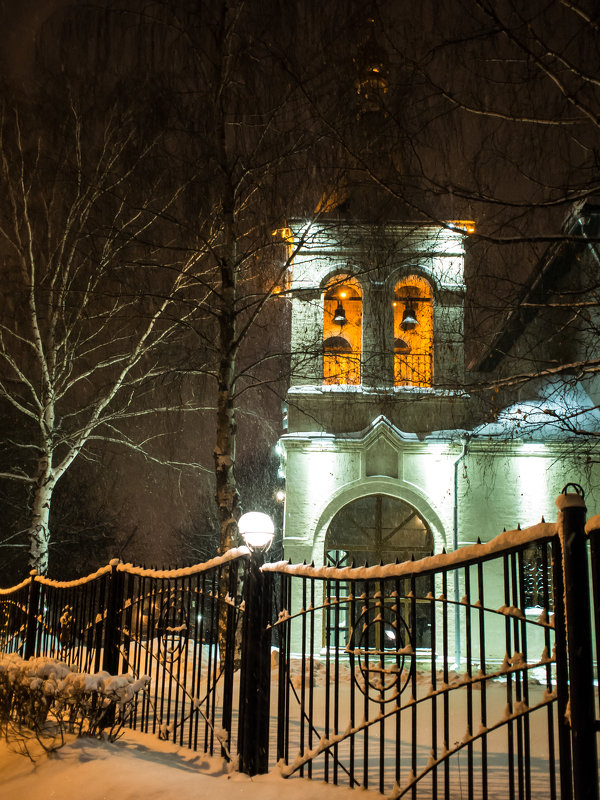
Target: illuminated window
413 332
342 331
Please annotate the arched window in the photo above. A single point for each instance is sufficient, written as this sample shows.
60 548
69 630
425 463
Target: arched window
413 332
342 331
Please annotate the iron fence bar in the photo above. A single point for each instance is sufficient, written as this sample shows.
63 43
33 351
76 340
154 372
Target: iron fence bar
227 710
336 685
399 645
446 699
380 645
327 604
164 595
282 676
364 677
303 672
311 690
136 588
518 723
524 651
353 614
288 606
509 698
413 710
195 658
129 651
33 610
199 661
75 626
181 644
86 618
155 656
215 662
81 618
433 669
175 653
97 626
469 673
44 642
483 669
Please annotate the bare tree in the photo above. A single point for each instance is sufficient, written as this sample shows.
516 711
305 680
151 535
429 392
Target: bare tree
89 306
238 122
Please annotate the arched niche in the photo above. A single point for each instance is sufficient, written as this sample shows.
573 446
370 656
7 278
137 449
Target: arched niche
413 332
378 527
342 331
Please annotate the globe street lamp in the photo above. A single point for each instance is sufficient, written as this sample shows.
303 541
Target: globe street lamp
257 531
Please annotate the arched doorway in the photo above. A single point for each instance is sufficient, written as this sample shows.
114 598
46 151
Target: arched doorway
373 529
377 528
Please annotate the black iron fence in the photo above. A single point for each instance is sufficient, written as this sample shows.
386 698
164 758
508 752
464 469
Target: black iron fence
444 677
176 626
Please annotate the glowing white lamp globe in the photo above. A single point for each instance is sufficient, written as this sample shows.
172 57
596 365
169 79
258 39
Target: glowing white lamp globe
257 530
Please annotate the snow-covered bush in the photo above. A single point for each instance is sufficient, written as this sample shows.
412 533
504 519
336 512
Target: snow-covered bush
48 698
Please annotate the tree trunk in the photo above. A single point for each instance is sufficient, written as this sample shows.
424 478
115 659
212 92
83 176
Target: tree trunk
39 530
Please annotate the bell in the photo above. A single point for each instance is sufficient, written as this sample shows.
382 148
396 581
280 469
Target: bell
340 315
409 319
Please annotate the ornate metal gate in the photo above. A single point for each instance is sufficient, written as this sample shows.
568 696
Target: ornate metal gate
364 698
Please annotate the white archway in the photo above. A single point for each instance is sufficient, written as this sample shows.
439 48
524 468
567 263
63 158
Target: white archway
398 489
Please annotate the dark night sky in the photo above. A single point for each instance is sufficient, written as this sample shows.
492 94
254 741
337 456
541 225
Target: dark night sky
19 23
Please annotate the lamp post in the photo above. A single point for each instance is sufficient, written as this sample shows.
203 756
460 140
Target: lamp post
257 530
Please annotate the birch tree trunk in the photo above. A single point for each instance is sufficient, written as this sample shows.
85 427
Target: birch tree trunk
39 529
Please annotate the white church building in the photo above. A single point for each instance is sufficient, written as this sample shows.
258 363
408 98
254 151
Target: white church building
389 450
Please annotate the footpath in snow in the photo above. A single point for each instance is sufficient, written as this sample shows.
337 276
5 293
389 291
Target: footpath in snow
140 767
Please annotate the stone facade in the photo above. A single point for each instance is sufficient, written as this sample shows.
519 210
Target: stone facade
425 448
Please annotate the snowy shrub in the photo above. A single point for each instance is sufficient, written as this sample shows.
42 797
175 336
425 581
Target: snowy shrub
47 698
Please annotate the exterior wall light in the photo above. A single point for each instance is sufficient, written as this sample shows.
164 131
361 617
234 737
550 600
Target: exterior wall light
257 530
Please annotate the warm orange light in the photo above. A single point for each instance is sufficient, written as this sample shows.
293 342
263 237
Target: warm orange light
286 234
466 225
413 346
342 347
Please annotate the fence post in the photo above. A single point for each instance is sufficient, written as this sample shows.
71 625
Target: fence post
255 671
571 530
33 610
110 659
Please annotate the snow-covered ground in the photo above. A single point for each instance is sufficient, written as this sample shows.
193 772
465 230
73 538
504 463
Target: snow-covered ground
140 767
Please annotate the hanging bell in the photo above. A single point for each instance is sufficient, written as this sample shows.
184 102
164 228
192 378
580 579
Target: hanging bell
340 314
409 319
